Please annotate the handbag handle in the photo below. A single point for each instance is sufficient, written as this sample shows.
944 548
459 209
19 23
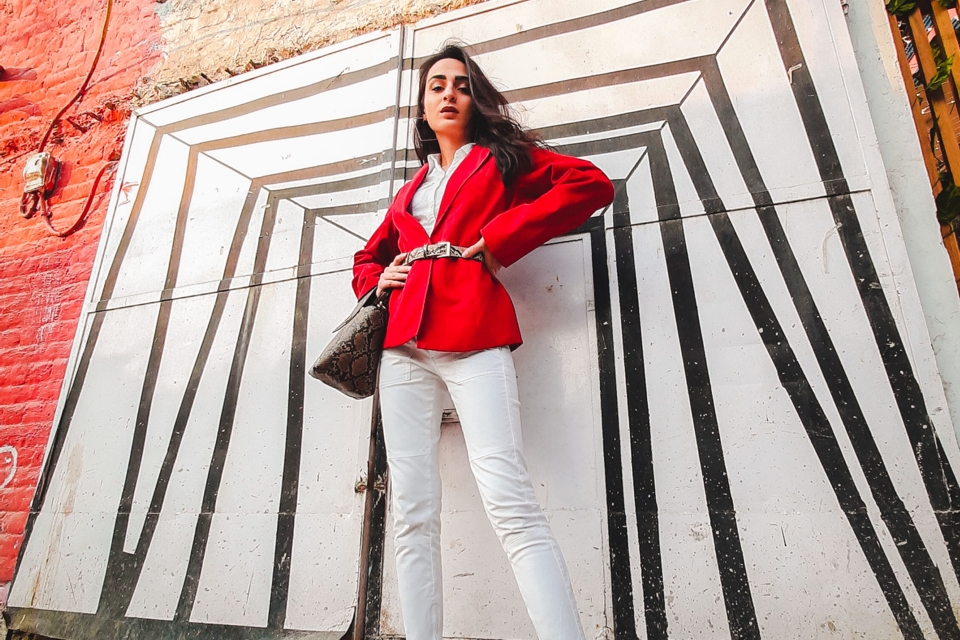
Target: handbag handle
368 299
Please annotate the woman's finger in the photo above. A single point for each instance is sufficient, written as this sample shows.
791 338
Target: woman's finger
397 271
400 258
475 249
390 282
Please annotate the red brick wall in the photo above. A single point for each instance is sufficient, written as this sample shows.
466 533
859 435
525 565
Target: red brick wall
46 49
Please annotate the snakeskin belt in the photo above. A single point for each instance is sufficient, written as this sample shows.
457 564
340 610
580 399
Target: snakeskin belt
438 250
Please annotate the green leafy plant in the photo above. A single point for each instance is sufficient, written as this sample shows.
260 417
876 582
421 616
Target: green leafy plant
944 65
943 72
946 4
948 200
901 7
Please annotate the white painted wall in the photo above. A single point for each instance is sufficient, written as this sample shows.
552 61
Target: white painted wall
692 435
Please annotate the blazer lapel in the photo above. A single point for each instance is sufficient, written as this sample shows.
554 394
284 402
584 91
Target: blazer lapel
412 189
405 197
474 160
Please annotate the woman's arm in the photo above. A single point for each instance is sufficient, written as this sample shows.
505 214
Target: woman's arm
379 252
563 192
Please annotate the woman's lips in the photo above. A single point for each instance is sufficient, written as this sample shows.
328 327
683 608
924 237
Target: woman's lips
449 110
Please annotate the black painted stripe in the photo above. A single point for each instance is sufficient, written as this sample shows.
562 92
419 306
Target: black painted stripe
621 581
734 581
319 171
343 210
290 483
805 402
341 227
625 76
397 110
624 620
387 175
569 26
938 476
638 417
605 145
208 504
295 131
609 123
409 113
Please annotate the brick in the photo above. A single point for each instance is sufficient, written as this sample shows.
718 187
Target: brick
29 459
13 522
19 435
7 566
16 499
25 372
21 486
9 544
12 414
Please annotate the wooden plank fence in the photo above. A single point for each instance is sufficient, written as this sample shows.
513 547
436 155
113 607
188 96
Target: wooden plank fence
925 32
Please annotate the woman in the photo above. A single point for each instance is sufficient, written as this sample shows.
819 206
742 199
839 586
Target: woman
487 195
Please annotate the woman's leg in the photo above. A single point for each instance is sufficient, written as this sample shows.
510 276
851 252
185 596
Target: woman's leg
483 386
410 402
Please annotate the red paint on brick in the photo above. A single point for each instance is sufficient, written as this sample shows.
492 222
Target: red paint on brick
47 51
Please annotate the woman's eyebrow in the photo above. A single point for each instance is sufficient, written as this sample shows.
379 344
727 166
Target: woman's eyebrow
440 76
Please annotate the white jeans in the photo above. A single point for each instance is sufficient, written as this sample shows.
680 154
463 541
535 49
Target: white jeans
483 386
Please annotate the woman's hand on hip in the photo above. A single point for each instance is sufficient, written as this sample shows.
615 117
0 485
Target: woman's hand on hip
489 260
394 276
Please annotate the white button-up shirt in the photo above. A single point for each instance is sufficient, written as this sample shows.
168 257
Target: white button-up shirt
426 201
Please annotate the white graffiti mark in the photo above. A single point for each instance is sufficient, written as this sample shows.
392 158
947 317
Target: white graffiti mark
8 455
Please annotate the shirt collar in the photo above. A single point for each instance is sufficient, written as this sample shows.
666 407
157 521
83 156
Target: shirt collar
433 160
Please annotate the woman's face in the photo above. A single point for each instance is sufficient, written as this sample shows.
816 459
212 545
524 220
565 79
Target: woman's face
447 104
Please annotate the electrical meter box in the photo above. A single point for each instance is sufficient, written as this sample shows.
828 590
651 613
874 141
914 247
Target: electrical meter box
40 172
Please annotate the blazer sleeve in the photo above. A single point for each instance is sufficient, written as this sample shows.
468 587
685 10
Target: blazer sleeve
379 252
559 194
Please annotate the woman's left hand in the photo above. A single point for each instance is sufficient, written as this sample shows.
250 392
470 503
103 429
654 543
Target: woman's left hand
489 260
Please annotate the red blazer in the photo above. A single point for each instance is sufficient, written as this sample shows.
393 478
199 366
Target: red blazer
450 304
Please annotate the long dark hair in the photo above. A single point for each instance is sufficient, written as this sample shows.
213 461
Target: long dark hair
492 124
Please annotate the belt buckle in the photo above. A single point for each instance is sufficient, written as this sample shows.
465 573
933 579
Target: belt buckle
444 248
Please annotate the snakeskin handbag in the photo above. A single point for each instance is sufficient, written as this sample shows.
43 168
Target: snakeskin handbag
350 362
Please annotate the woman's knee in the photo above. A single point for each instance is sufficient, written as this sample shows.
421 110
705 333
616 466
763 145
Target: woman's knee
415 519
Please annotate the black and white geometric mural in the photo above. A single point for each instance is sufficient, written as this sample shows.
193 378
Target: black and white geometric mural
731 407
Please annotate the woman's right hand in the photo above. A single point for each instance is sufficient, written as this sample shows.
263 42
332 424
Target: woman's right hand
394 276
